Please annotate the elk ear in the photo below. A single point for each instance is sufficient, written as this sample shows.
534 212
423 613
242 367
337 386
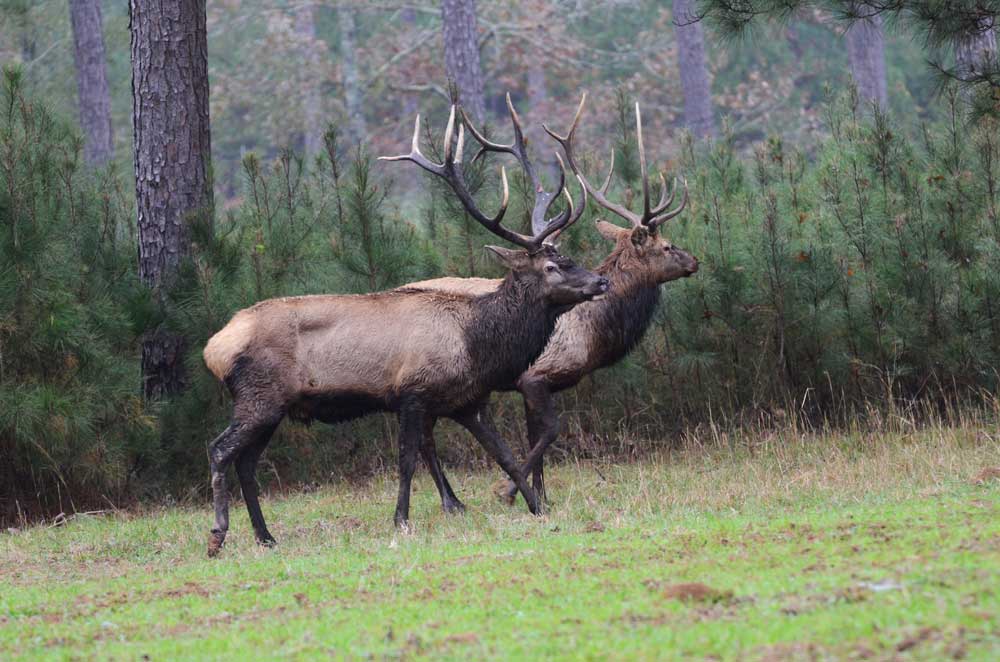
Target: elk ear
512 259
609 231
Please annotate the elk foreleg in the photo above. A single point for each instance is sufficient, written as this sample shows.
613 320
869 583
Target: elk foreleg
449 502
477 420
543 428
411 427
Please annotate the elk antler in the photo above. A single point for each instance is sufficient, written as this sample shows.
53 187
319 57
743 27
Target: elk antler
540 223
651 217
451 171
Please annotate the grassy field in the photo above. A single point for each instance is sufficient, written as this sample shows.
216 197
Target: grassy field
823 548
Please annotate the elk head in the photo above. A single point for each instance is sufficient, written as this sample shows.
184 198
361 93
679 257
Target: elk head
538 264
642 249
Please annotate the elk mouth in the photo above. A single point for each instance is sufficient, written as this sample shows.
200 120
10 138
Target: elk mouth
599 289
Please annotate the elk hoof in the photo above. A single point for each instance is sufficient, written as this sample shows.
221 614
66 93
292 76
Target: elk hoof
215 543
268 542
453 507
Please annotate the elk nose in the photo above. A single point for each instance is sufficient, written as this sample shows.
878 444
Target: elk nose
603 283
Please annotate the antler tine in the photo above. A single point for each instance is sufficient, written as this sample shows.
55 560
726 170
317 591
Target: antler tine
461 144
563 189
646 215
449 133
611 172
566 142
515 148
568 138
415 155
484 144
568 217
559 189
665 200
516 121
656 222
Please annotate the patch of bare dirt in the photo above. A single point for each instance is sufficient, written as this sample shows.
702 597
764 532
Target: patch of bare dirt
696 592
796 650
465 638
922 635
188 588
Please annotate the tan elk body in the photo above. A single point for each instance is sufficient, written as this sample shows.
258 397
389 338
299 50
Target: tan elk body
375 346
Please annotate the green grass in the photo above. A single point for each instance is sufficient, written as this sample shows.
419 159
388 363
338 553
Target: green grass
816 548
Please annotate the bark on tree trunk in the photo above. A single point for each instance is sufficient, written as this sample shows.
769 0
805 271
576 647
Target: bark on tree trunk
695 81
866 53
461 54
975 50
92 81
172 159
312 103
353 93
538 95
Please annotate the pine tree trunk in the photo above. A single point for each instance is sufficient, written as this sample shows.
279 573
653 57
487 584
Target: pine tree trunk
92 81
461 54
975 50
866 53
312 103
172 159
695 81
353 94
538 96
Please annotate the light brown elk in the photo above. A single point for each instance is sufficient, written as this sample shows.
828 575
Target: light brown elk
595 334
421 354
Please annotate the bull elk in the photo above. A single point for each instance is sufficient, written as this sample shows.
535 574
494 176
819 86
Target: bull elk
418 353
595 334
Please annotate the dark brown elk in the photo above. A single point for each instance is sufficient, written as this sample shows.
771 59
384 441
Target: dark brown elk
418 353
599 333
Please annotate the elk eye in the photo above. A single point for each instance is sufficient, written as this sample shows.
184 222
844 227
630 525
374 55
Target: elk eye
549 268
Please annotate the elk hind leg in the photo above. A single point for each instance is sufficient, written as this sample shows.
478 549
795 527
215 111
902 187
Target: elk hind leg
246 470
220 455
543 428
428 449
248 425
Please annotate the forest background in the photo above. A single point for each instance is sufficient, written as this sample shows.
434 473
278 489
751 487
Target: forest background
844 200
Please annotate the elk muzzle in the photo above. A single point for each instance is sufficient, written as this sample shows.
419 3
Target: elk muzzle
687 262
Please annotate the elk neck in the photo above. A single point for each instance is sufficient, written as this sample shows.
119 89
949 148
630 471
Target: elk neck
623 315
508 330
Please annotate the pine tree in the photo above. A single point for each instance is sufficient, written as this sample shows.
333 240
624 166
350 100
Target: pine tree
172 161
92 81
